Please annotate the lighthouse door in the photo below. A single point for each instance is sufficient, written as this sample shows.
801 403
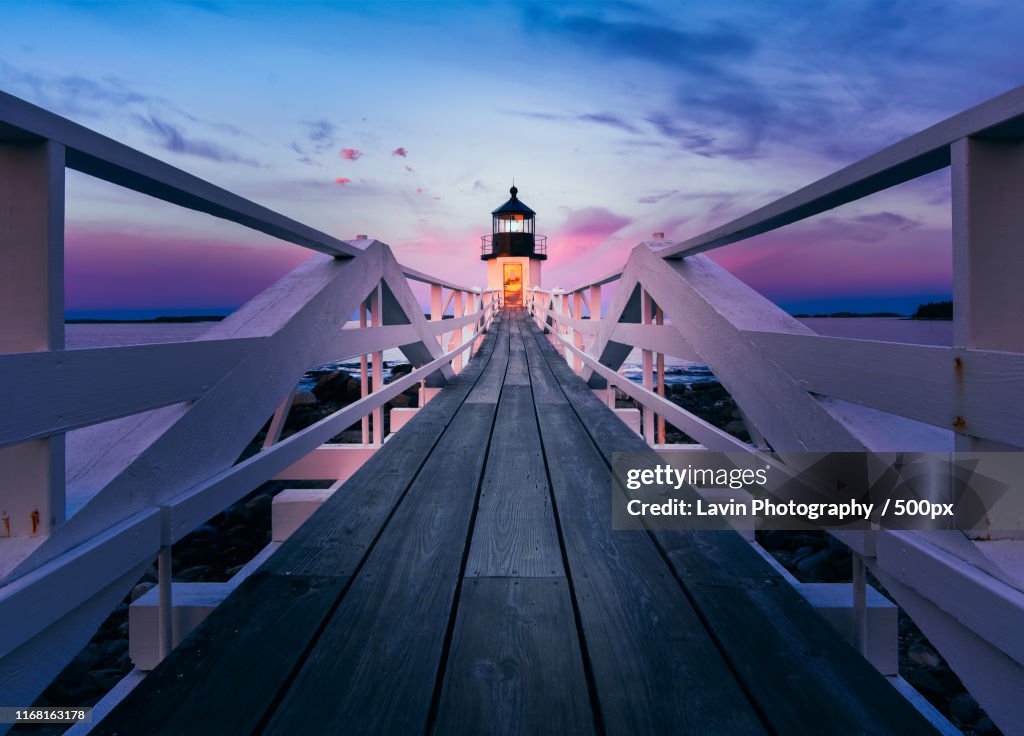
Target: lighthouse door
513 285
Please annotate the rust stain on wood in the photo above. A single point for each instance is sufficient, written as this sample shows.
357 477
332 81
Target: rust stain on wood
35 521
960 424
958 366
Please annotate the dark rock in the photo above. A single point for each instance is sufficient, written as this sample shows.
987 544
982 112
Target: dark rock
332 386
812 562
984 726
260 505
400 369
964 708
401 401
925 682
304 398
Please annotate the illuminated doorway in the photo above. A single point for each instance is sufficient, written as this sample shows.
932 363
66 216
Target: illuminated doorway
513 284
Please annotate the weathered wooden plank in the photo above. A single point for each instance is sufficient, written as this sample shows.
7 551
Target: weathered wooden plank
375 666
518 372
488 389
546 390
655 668
226 675
515 533
515 665
335 539
803 677
287 601
773 639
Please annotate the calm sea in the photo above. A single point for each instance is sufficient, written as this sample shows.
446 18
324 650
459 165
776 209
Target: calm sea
676 371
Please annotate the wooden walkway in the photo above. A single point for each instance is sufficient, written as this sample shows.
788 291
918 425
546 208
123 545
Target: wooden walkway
467 581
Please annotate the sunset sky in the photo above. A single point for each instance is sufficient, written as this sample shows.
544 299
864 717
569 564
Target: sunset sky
408 121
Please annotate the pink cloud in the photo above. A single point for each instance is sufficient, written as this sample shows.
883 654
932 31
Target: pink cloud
110 270
400 151
351 154
343 180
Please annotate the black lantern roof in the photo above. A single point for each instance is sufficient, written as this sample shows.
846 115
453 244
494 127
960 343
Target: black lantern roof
513 206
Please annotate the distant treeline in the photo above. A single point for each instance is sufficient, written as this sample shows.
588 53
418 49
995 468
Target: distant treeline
188 318
834 315
931 310
934 310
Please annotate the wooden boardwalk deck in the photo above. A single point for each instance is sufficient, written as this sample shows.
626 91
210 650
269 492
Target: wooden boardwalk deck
467 581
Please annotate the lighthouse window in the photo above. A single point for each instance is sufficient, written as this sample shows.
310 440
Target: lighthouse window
515 224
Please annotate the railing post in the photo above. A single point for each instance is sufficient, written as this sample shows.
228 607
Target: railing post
32 320
364 382
456 337
988 224
165 601
646 317
660 320
577 308
376 313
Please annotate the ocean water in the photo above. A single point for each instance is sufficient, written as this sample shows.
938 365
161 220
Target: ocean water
676 371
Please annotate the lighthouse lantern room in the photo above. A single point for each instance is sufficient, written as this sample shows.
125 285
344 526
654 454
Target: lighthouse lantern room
513 251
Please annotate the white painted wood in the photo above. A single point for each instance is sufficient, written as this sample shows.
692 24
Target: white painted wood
400 416
988 226
989 607
31 319
53 590
928 383
376 301
994 679
329 462
189 509
349 343
63 390
647 366
717 307
278 420
292 507
165 454
26 671
710 436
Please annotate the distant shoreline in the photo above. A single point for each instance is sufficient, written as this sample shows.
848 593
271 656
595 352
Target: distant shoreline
188 319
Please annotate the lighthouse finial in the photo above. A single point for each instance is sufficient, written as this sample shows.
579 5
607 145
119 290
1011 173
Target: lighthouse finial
513 191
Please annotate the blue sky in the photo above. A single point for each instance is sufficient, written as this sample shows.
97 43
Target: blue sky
408 120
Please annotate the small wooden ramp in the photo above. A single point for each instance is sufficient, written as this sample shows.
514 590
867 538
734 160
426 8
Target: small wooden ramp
467 581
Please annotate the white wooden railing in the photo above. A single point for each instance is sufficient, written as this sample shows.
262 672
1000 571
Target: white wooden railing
110 455
798 391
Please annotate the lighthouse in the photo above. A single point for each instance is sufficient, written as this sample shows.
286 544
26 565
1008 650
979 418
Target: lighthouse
513 251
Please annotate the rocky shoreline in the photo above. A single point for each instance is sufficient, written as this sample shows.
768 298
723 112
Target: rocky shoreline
218 549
